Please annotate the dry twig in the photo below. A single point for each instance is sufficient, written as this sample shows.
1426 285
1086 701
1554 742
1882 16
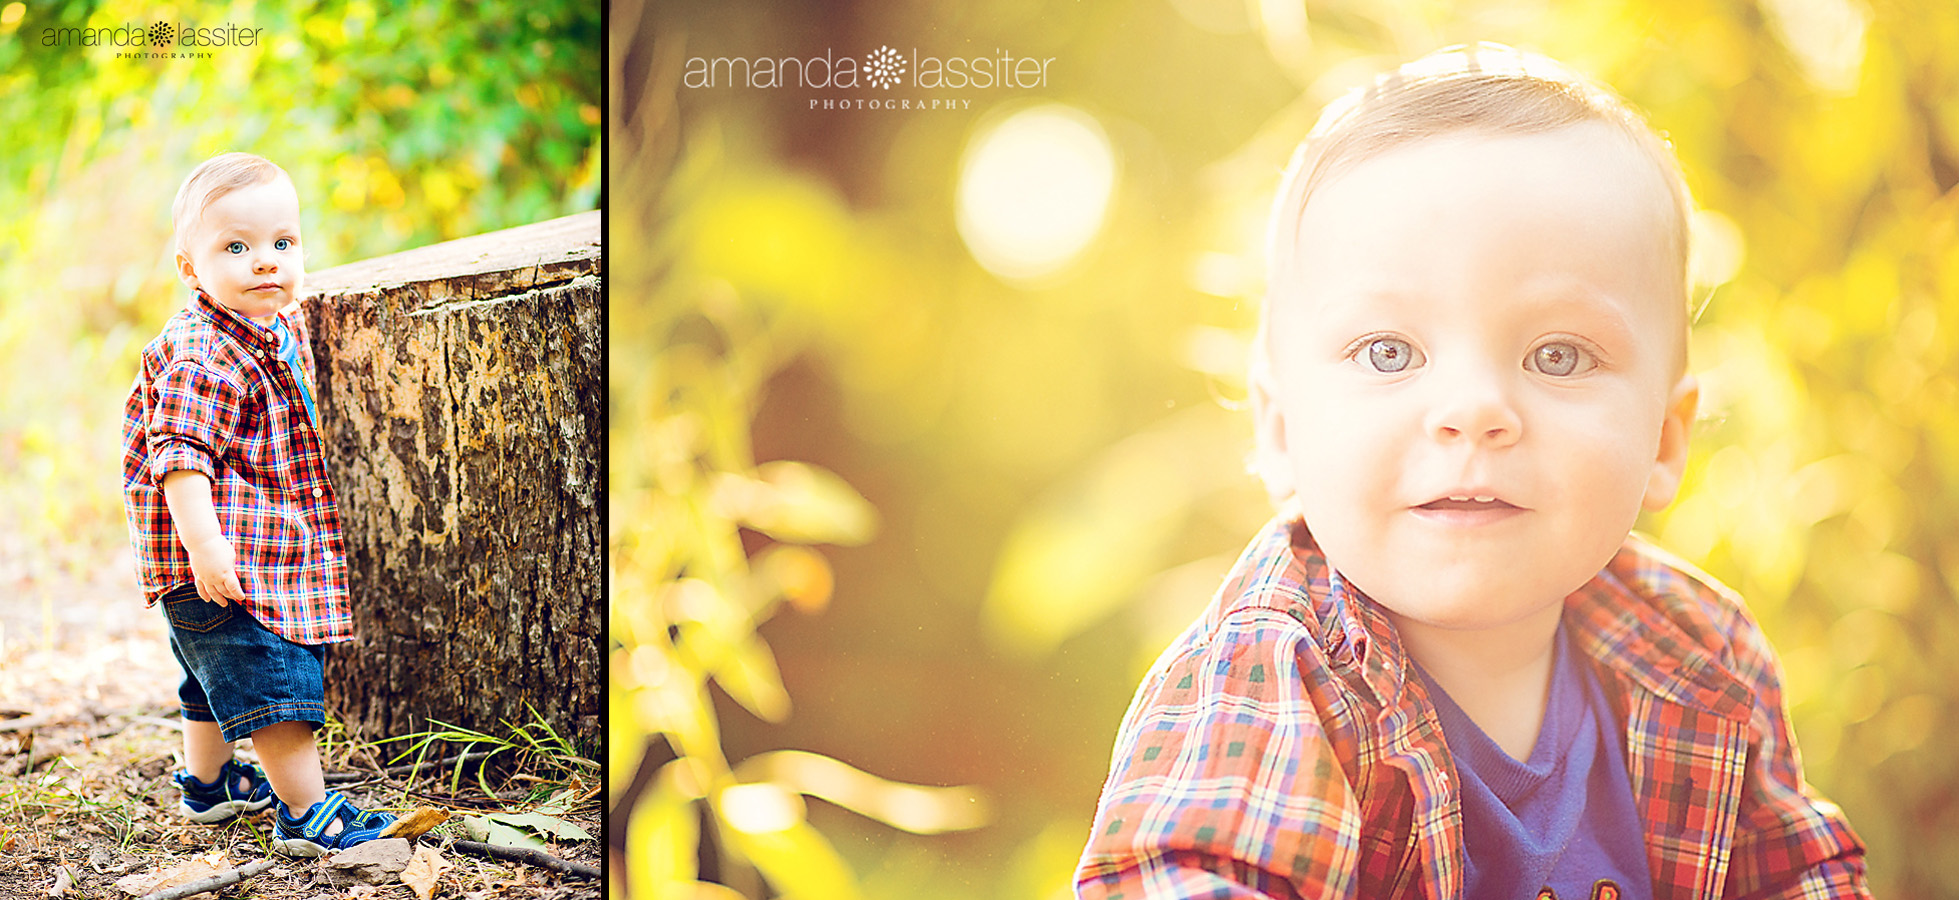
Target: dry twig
528 855
230 876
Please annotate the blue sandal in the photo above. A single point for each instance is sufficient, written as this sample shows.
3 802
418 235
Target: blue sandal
240 788
308 835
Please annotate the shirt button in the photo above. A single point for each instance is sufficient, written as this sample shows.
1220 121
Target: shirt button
317 492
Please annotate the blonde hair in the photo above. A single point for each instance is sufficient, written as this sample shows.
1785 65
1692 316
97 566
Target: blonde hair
214 178
1483 87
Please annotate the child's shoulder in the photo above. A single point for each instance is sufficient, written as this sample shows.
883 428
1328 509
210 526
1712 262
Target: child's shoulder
1280 572
188 337
1696 601
1662 619
1281 603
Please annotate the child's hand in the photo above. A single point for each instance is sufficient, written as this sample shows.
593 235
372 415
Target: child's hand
212 564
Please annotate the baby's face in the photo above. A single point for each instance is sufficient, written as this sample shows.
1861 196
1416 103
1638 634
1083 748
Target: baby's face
1475 379
244 250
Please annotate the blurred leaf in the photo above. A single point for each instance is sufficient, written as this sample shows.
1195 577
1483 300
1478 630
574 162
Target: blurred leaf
750 677
920 810
796 502
798 574
799 863
664 834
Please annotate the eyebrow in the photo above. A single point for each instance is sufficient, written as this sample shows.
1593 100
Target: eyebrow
280 230
1600 310
1591 304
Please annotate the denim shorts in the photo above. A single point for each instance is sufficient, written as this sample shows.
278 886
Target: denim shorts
237 673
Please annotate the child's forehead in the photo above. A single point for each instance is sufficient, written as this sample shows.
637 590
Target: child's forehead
1472 180
1512 226
270 201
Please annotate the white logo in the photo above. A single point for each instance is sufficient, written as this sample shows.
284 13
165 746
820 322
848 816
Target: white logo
883 67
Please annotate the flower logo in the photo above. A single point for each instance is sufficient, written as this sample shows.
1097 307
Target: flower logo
162 34
883 67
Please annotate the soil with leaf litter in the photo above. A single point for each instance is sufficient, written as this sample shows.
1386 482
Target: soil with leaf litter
90 734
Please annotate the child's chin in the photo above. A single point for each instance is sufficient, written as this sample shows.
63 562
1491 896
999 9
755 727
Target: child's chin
253 306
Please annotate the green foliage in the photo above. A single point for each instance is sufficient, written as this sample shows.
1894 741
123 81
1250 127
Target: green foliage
532 747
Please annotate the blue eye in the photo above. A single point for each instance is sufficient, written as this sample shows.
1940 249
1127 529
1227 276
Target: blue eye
282 244
1391 355
1559 358
235 247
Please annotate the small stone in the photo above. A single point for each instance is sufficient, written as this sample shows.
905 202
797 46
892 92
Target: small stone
375 862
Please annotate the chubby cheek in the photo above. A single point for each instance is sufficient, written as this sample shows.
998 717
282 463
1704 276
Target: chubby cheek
1345 463
1603 470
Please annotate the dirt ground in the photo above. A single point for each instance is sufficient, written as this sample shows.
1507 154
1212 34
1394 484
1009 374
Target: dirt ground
89 736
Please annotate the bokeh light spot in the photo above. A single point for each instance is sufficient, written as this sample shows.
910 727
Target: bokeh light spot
1034 191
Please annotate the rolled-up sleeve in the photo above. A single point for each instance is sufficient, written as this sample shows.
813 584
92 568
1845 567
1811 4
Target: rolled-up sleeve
195 412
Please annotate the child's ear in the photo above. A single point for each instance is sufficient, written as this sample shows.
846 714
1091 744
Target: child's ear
185 270
1269 458
1671 464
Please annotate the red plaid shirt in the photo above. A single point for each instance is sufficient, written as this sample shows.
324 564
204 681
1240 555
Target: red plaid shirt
1280 748
213 397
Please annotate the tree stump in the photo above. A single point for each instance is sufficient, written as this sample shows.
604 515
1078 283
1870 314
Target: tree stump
461 399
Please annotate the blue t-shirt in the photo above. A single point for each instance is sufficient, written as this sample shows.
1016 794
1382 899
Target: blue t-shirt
289 354
1561 824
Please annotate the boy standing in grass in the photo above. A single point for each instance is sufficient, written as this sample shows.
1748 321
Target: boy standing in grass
235 526
1447 669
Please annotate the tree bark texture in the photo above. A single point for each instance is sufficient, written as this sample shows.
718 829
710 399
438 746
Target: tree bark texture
461 399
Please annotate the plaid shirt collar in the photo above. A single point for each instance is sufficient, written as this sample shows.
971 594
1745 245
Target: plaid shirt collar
1611 623
234 325
1635 645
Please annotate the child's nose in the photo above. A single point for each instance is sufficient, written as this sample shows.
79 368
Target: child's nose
1478 411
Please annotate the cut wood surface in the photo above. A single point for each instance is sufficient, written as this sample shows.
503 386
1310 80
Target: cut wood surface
461 398
483 266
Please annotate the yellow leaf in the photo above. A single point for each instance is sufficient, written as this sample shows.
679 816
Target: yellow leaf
663 838
424 872
416 823
750 676
914 808
799 862
797 502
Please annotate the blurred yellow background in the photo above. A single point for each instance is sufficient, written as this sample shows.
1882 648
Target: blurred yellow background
928 429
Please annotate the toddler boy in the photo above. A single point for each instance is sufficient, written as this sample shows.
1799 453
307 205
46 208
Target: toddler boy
236 528
1447 669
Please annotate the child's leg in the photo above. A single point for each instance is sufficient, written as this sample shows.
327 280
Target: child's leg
205 750
292 763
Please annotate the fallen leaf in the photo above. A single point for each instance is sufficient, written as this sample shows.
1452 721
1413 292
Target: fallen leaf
551 825
64 879
416 823
489 831
424 872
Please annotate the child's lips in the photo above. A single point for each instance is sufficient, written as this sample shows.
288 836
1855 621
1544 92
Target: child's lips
1471 504
1472 509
